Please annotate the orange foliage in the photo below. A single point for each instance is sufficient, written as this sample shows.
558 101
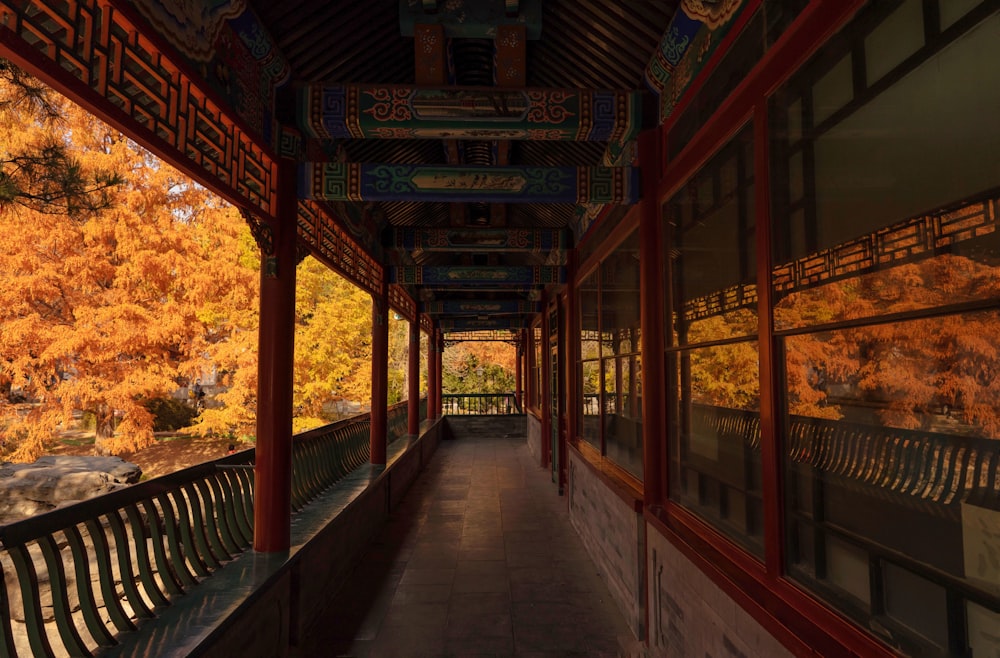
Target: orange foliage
103 313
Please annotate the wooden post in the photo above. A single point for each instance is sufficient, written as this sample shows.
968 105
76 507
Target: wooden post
432 393
651 319
380 373
276 339
413 380
438 370
518 367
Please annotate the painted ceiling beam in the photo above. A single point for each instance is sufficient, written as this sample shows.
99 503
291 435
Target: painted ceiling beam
357 111
473 324
471 19
349 181
479 239
498 276
483 307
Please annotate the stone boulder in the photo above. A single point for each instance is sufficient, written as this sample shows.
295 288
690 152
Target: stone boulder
54 481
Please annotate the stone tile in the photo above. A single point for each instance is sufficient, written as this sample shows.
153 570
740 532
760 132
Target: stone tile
479 647
421 615
480 559
465 625
417 576
476 553
473 603
422 594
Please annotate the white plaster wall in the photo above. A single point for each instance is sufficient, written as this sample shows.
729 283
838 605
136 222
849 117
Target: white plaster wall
691 616
614 535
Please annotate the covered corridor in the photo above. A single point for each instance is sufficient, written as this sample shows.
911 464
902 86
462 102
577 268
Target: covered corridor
478 559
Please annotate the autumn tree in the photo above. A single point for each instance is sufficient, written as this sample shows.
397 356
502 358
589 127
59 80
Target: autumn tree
38 170
333 343
479 367
907 371
101 311
227 294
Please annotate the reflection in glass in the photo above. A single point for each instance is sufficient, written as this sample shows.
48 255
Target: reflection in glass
715 438
886 286
709 239
713 390
623 413
589 327
590 377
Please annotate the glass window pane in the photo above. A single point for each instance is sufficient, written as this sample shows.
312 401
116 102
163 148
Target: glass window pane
709 240
590 377
714 432
620 295
623 420
887 305
589 303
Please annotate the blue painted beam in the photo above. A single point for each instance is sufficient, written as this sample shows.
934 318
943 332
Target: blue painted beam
469 324
485 307
479 239
349 181
404 112
470 276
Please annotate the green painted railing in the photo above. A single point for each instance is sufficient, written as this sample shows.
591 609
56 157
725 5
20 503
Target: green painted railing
80 578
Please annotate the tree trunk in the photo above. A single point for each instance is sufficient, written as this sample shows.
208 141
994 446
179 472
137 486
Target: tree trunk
104 427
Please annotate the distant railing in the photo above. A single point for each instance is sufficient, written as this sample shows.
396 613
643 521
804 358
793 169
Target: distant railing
930 469
937 471
480 404
83 575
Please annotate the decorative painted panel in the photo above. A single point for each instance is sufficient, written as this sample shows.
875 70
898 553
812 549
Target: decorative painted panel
493 240
96 52
404 112
482 336
464 276
694 33
348 181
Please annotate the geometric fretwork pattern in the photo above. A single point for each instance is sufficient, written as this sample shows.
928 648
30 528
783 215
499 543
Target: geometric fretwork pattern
426 323
728 299
910 240
97 53
335 247
402 303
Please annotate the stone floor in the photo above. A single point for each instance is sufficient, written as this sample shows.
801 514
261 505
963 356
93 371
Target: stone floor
478 560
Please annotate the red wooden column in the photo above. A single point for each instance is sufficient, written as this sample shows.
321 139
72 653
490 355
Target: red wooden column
518 368
276 343
413 380
438 370
432 393
380 373
651 317
545 387
571 349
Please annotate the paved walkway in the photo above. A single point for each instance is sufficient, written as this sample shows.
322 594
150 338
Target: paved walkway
478 560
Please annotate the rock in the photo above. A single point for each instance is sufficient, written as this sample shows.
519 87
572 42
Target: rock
54 481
